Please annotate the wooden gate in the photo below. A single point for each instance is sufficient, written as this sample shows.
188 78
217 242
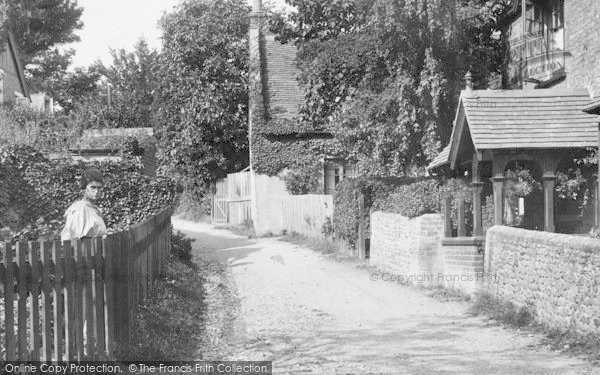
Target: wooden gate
231 201
219 210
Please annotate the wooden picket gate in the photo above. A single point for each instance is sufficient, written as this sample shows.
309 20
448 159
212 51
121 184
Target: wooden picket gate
231 201
77 300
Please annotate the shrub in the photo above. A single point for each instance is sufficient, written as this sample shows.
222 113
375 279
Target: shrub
181 246
194 205
44 131
421 197
303 180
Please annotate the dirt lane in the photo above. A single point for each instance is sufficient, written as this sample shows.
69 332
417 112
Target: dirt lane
311 314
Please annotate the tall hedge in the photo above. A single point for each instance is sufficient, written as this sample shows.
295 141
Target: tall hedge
421 197
39 190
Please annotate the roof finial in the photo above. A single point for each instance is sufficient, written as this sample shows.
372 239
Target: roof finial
469 82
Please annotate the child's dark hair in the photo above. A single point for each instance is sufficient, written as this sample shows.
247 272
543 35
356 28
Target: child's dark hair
90 175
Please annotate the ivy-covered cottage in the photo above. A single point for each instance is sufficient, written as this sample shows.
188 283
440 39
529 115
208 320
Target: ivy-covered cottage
12 80
279 143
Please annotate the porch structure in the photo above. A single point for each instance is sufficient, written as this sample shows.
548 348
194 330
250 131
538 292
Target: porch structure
494 128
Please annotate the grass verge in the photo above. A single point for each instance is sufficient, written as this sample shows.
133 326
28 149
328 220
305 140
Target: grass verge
445 294
319 245
169 324
508 313
245 230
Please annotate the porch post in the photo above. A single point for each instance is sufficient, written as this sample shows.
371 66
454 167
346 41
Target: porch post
498 183
596 200
447 217
549 164
549 181
477 209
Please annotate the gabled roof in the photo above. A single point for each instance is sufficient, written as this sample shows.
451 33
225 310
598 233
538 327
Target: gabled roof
12 44
524 119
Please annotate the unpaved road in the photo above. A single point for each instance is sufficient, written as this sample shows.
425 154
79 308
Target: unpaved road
312 314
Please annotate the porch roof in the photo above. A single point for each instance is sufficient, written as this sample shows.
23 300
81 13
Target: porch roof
523 119
440 159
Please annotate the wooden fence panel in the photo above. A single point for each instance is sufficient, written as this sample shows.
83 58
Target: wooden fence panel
22 287
98 288
109 295
34 308
9 298
77 300
46 248
306 214
66 289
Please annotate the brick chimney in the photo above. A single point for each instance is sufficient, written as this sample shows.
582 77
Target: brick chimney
256 109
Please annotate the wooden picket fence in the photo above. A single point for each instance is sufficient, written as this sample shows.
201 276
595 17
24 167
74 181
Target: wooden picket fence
306 214
77 300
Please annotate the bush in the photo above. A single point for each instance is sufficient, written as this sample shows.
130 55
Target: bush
416 199
303 180
181 246
44 131
194 205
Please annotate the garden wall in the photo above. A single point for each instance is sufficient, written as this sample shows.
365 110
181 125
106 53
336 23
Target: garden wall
409 249
557 275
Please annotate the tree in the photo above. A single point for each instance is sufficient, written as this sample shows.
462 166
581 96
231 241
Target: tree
39 25
202 98
132 79
385 79
46 71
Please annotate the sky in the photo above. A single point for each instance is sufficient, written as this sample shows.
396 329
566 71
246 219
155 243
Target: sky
120 24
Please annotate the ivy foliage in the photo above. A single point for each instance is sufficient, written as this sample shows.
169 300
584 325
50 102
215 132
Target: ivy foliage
416 199
384 76
346 198
409 197
202 95
40 190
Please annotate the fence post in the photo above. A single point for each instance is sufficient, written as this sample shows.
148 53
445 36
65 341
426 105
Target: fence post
361 226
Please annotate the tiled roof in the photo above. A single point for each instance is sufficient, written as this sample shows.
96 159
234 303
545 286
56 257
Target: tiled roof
549 118
284 95
440 159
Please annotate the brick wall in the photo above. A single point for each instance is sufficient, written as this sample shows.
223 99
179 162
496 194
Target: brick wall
463 263
556 274
408 248
582 43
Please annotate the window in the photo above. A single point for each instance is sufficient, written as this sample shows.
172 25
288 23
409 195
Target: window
538 55
335 171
